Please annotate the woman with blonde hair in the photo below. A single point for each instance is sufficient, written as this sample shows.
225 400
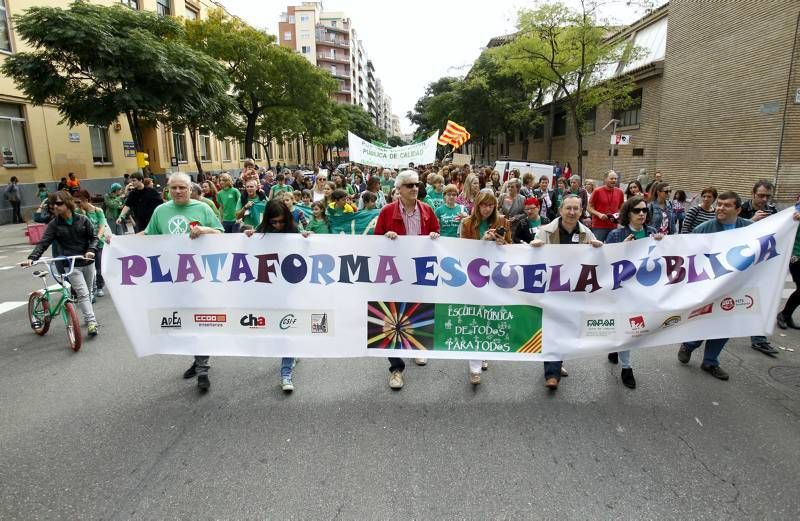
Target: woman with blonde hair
466 198
484 223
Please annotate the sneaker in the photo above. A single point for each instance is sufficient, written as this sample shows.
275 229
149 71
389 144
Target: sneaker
396 379
765 347
99 293
627 378
564 372
484 365
613 358
286 384
684 355
421 361
782 321
92 329
191 372
93 299
203 383
475 378
715 371
551 383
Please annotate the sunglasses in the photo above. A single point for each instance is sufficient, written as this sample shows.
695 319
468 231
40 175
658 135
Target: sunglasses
638 210
410 185
59 203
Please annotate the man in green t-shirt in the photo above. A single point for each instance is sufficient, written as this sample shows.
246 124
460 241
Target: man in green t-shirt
450 213
180 216
229 199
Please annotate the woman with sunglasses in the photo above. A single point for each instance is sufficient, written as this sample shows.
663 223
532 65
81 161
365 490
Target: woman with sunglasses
632 218
662 215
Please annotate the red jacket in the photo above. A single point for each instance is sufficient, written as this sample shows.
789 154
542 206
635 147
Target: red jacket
390 220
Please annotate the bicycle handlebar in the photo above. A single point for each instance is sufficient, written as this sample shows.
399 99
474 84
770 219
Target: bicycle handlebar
50 262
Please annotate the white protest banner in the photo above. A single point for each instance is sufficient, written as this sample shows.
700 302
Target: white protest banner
366 153
461 159
347 296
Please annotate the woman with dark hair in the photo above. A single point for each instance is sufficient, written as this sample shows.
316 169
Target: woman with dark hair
278 219
374 186
662 217
679 207
632 218
634 189
701 213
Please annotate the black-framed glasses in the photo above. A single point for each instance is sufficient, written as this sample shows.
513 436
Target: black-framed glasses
58 203
410 185
638 210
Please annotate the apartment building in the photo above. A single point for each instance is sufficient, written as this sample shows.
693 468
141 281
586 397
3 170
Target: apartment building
37 148
328 40
717 102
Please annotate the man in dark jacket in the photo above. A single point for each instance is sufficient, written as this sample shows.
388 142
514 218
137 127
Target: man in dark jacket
142 201
75 236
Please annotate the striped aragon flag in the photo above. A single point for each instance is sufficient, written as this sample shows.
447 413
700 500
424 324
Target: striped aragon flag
454 134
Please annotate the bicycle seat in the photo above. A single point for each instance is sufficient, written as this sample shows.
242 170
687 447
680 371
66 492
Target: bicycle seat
40 273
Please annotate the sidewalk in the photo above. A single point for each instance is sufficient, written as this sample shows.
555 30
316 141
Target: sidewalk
12 235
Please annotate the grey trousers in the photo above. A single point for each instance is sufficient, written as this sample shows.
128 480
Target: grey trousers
82 278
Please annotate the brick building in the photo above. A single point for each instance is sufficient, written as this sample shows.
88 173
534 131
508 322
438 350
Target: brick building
718 101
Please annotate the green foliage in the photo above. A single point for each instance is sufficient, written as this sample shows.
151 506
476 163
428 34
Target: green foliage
442 101
95 62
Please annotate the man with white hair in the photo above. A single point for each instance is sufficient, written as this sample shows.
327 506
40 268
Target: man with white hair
179 216
406 216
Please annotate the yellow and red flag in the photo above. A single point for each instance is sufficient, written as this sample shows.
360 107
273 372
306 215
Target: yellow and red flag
454 134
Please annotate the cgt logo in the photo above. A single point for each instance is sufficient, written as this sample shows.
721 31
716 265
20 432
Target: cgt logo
637 323
171 322
730 303
253 321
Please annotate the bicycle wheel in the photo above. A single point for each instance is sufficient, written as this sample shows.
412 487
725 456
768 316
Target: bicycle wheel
39 312
73 326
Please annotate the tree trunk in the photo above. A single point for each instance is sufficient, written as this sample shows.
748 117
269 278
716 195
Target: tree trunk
269 159
136 131
297 142
525 144
250 134
193 137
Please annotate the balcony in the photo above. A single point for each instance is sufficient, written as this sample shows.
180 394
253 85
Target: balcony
325 39
342 75
324 56
342 30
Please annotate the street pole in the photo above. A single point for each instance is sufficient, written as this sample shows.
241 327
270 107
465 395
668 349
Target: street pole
613 122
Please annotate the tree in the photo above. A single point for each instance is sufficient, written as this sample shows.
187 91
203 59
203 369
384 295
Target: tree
263 76
567 53
442 101
94 63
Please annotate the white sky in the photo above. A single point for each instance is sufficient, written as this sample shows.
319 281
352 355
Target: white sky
414 42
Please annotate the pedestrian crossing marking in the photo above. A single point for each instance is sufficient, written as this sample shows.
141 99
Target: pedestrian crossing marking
8 306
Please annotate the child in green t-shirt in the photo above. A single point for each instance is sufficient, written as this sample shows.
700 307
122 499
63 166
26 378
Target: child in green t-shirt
318 222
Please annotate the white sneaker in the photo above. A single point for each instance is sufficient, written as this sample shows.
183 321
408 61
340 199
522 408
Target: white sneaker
99 293
475 378
286 384
396 379
421 361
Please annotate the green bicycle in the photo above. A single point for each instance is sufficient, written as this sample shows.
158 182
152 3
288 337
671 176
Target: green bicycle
46 303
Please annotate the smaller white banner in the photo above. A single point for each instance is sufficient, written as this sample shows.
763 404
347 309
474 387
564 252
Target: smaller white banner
366 153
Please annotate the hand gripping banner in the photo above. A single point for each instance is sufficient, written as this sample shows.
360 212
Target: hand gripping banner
347 296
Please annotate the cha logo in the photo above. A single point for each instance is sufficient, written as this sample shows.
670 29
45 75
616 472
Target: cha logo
171 322
253 321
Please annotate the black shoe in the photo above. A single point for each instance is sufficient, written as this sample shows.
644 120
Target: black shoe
191 372
765 348
782 321
613 358
627 378
684 355
203 383
715 371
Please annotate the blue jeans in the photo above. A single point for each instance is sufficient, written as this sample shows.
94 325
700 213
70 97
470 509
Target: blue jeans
287 364
712 351
625 359
230 226
553 370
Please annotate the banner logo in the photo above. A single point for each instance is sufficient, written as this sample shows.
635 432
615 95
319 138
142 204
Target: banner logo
743 302
171 322
288 321
599 327
674 320
253 321
319 323
210 319
637 323
702 310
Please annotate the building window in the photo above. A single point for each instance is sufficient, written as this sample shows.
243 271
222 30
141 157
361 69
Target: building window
305 35
305 49
333 70
560 123
205 145
191 13
589 121
5 28
98 135
630 116
225 146
163 7
179 146
291 19
538 132
133 4
638 152
287 36
303 18
333 23
241 151
616 152
13 140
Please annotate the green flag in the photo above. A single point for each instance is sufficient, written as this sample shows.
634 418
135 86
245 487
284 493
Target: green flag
358 223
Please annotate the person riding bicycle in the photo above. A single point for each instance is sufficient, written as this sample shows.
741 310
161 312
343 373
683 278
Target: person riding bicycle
75 236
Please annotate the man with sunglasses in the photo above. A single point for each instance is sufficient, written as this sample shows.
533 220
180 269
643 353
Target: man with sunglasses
406 216
74 235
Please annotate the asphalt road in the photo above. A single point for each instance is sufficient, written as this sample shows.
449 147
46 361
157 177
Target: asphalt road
100 434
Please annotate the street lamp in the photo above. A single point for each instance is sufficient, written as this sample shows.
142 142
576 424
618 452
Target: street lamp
613 122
